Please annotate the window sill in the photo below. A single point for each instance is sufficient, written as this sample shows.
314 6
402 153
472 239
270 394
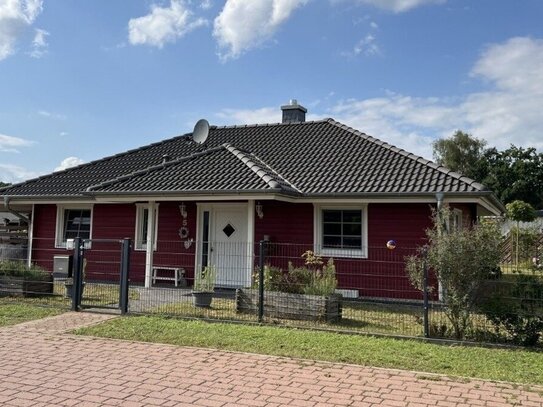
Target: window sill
343 253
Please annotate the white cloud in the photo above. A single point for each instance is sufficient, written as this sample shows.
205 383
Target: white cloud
398 6
11 144
206 4
508 112
246 24
50 115
39 44
69 162
14 173
366 46
15 17
163 24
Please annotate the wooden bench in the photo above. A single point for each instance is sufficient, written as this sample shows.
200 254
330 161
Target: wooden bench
175 274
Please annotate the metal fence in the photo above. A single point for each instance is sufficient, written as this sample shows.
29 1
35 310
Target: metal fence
287 284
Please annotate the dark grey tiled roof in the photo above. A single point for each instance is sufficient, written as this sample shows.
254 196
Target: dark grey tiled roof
220 169
311 158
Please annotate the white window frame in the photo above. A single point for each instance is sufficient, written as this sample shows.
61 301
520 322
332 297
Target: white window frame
139 244
318 230
60 243
457 218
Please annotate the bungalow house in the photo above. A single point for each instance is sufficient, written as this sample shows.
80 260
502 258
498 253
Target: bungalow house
209 197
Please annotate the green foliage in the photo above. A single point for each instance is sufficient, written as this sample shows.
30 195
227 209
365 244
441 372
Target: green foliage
460 153
313 278
4 184
520 211
323 282
518 308
18 268
462 260
205 280
514 174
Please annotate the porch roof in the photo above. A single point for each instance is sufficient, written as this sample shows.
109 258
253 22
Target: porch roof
219 169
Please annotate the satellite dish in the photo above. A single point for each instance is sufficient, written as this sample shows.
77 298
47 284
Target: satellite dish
201 131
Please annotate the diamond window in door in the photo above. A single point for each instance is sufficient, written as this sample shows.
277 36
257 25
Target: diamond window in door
228 230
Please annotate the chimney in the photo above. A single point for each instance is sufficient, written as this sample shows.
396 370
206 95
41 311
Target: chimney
293 112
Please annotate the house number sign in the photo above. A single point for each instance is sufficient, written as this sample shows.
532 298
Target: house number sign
184 230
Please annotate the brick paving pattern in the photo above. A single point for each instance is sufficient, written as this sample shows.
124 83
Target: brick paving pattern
41 365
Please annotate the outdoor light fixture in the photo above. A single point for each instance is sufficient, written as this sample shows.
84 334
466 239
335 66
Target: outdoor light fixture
259 210
183 210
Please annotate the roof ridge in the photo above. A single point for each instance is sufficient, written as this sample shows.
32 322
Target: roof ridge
258 170
417 158
272 170
153 168
243 126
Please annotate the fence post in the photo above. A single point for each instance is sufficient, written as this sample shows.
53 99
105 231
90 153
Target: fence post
261 281
125 267
425 293
77 277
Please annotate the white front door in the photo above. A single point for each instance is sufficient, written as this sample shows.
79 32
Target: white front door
225 227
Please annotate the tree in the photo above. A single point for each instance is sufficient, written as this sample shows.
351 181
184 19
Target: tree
514 174
461 153
519 211
462 260
4 184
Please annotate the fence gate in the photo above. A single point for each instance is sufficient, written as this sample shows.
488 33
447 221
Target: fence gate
100 277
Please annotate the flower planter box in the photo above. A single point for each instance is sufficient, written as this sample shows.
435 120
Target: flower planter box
291 306
25 286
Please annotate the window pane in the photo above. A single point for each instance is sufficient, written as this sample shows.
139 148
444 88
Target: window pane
144 224
331 241
342 229
77 223
352 229
331 216
352 242
332 228
352 216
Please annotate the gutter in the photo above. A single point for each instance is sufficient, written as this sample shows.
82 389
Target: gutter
13 212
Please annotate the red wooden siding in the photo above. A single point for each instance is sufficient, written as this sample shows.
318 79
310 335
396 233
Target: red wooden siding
289 226
285 222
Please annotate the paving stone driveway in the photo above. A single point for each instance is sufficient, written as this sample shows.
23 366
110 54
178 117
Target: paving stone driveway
41 365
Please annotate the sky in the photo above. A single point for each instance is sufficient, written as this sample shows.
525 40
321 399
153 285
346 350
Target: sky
81 80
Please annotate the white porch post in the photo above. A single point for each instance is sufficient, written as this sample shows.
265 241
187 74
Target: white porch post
250 236
30 238
149 247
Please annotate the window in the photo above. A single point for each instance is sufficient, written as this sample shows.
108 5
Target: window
72 223
142 224
455 221
341 231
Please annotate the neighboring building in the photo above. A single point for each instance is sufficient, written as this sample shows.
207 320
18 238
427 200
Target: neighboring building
192 201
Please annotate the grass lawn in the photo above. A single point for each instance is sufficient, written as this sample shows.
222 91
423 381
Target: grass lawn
517 365
14 313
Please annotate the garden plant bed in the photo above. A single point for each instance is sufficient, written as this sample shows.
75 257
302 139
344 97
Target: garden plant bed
291 306
26 287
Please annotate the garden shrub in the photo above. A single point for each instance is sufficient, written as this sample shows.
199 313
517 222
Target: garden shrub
461 260
18 268
518 308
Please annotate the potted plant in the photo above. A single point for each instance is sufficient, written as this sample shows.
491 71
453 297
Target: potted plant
204 286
